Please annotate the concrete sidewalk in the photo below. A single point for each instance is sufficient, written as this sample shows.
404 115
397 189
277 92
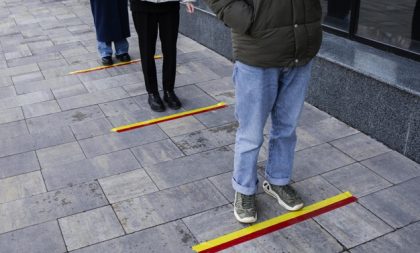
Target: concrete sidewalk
67 184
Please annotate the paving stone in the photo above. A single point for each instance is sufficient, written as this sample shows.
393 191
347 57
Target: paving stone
315 189
67 118
40 109
404 240
74 51
118 141
360 146
29 77
40 238
193 97
206 139
221 89
21 186
21 51
194 72
91 128
5 81
25 99
34 58
50 206
13 129
19 70
169 205
172 237
135 89
84 229
113 82
69 91
393 167
223 183
157 152
10 115
56 83
18 164
306 236
89 169
127 185
352 225
8 91
77 59
25 143
329 129
91 98
95 75
181 126
306 140
213 223
61 154
218 117
190 168
45 65
317 160
357 179
114 108
398 205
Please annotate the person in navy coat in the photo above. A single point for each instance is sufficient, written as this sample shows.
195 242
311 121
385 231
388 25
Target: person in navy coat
112 26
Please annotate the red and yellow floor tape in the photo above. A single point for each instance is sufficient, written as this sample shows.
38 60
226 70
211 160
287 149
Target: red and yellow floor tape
170 117
274 224
110 66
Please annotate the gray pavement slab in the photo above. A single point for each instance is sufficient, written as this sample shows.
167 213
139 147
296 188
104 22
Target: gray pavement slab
329 129
172 237
108 143
317 160
18 164
13 129
84 229
56 83
168 205
157 152
127 185
50 206
191 168
393 167
10 115
60 176
398 205
26 99
60 154
69 91
41 238
353 225
21 186
403 240
8 91
181 126
40 109
207 139
360 146
25 143
357 179
66 118
91 128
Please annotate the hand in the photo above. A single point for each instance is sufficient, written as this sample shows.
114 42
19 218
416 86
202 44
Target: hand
190 7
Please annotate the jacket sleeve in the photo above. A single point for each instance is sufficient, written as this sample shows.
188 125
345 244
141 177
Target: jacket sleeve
236 14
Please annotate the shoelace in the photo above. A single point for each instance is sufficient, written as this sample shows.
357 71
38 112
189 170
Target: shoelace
248 201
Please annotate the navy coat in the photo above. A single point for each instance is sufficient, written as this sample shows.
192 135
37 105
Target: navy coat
111 19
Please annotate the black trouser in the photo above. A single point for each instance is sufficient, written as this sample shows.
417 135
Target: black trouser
147 25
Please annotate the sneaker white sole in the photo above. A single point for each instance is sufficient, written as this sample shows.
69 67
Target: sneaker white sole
267 189
245 220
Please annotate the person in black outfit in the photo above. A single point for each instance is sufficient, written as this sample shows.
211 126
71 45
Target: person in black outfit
149 17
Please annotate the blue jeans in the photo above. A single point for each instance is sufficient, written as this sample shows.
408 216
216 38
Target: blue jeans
105 48
260 92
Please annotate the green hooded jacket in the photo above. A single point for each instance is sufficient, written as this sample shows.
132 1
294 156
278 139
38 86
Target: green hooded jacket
272 33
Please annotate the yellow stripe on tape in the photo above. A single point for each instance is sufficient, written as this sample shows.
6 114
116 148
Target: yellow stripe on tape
269 223
169 117
110 66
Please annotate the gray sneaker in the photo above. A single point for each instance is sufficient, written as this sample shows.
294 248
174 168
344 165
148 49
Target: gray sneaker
245 209
285 195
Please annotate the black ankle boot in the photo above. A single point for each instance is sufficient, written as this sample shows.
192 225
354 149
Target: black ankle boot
172 100
107 61
156 103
